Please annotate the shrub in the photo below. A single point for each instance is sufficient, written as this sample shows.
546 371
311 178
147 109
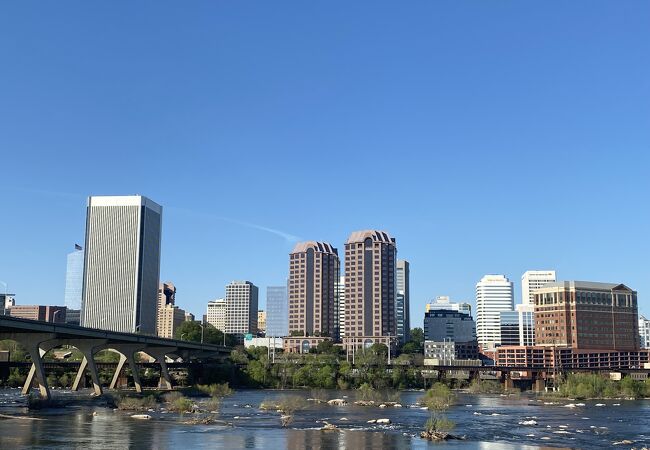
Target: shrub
485 387
215 390
181 405
136 403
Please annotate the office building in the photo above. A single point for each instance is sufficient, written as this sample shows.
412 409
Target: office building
189 317
261 321
446 324
494 294
518 327
370 263
314 271
277 311
170 317
644 332
449 337
166 297
216 314
56 314
74 277
509 326
72 316
532 280
6 302
526 318
402 300
122 264
241 308
587 315
444 302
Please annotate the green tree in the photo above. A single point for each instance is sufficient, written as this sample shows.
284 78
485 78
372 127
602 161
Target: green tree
410 348
437 399
190 330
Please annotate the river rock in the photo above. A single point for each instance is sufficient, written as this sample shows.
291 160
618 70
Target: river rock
329 427
383 421
438 436
397 405
337 402
141 416
382 405
372 421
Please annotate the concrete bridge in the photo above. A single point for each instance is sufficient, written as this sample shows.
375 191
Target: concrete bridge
40 337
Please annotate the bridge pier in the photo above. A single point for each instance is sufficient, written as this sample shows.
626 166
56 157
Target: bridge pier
539 384
127 354
89 347
160 353
32 342
509 384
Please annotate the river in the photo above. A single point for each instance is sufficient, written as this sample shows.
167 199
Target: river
487 422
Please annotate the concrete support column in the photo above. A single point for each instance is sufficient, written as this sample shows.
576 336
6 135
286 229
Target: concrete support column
509 384
127 354
44 347
539 384
159 353
32 342
89 347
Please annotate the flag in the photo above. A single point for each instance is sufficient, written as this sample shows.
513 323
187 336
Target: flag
77 247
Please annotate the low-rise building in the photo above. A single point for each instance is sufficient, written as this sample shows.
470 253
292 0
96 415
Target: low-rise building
302 344
269 342
568 358
43 313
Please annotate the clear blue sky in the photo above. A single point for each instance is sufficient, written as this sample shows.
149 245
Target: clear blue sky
487 137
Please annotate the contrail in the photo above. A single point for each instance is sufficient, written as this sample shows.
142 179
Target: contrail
288 237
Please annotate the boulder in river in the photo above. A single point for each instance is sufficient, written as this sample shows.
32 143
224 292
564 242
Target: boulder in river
438 436
383 421
337 402
141 416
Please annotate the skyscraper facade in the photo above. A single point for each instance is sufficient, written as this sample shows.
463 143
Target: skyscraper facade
277 311
370 263
241 308
532 280
74 277
402 300
314 271
122 264
216 313
494 294
341 303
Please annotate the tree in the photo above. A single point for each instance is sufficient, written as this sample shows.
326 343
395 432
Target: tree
190 330
437 399
410 348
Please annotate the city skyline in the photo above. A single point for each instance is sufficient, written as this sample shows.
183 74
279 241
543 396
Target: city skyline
227 120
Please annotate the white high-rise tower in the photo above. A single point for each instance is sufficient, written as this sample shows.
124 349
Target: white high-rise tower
121 264
494 294
532 280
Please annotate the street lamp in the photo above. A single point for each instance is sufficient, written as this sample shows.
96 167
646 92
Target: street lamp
201 325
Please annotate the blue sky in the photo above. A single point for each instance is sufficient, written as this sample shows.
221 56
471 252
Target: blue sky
487 137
